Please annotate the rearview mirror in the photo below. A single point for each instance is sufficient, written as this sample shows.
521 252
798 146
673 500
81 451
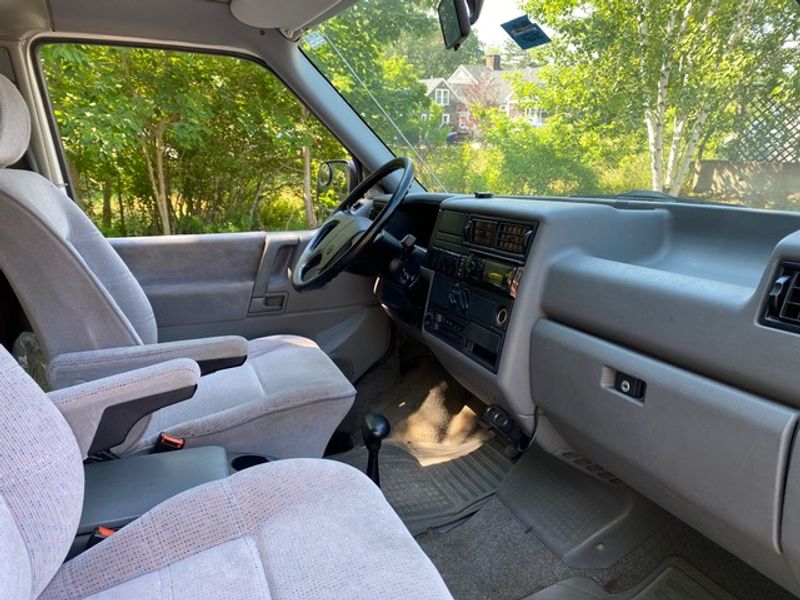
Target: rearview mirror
454 21
456 18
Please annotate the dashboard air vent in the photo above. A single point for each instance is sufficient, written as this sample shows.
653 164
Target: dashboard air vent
377 207
783 300
511 238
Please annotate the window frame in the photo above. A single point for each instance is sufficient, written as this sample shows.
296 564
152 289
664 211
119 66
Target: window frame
444 94
52 123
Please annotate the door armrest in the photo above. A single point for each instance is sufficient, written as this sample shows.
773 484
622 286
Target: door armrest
211 354
101 413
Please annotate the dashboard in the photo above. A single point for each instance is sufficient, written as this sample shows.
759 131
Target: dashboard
659 340
478 263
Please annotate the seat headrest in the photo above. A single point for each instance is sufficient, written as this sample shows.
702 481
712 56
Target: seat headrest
15 123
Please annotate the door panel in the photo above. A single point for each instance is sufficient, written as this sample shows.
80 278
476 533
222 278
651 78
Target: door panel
239 283
195 279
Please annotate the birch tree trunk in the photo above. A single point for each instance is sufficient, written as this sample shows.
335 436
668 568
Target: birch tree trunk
678 127
683 170
655 141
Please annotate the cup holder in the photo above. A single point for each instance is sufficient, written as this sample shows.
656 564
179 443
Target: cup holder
245 461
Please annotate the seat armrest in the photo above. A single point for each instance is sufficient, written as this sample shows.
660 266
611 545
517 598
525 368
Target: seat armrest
211 354
101 413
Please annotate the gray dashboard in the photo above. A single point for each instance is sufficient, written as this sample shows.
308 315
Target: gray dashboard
671 296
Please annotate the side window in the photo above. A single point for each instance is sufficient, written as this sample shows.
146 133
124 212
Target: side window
165 142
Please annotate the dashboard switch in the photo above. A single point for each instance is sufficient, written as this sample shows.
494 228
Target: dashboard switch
630 386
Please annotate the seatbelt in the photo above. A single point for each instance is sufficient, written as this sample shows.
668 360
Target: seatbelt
168 443
98 535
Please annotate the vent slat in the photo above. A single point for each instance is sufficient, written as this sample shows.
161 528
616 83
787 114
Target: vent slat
783 300
510 238
376 209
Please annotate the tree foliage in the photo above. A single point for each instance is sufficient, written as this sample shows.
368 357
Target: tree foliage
181 142
670 75
635 92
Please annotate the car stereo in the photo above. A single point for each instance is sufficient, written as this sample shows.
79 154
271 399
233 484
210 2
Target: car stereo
501 276
478 264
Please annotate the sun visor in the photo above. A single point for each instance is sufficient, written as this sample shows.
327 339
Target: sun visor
289 17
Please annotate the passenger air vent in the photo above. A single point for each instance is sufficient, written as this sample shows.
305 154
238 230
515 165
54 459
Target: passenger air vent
783 300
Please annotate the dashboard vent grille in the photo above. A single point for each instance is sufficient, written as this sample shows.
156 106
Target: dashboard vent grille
375 210
511 238
783 299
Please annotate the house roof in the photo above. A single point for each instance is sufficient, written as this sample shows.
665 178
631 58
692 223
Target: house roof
432 84
468 79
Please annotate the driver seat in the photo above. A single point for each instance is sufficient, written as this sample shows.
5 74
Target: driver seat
93 319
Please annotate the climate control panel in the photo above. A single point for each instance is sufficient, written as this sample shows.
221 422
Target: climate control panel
478 265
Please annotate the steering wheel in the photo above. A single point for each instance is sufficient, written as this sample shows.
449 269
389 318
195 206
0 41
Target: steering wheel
345 235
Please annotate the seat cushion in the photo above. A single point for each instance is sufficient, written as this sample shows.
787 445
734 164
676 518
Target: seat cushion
301 528
284 401
41 484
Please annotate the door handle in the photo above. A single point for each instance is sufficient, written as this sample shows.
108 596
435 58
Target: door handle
279 271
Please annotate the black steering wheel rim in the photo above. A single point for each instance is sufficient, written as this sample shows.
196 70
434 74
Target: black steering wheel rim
344 236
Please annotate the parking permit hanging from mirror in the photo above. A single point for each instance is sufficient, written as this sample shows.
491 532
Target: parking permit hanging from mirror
525 32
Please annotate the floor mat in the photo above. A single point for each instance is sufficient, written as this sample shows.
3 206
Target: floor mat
676 579
437 494
425 405
494 556
586 520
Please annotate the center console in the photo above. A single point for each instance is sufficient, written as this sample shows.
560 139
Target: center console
119 491
478 263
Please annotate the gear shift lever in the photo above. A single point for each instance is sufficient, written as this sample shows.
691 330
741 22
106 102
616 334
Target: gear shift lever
374 429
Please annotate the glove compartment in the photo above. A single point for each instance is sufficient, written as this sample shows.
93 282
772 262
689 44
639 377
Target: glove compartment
714 456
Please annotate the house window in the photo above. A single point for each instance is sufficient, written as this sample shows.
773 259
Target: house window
445 119
443 97
463 119
535 116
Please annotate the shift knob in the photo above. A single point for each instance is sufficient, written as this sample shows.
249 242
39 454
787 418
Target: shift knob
374 429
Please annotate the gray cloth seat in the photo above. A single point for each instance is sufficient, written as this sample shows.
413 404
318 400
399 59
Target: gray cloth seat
297 528
93 319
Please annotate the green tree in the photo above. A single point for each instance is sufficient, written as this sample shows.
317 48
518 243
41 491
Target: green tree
424 49
673 74
366 53
190 142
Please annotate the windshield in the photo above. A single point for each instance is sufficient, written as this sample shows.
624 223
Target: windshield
691 98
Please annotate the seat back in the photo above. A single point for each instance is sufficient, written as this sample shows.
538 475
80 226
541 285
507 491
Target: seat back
74 287
41 485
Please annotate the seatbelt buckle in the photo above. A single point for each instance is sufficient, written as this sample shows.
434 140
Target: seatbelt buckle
98 535
168 443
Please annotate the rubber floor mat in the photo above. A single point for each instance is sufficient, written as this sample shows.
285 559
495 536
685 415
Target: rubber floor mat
675 579
588 522
432 496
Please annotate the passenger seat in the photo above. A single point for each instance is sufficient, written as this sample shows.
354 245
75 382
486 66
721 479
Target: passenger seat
297 528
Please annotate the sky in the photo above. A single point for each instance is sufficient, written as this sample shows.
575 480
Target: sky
494 13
